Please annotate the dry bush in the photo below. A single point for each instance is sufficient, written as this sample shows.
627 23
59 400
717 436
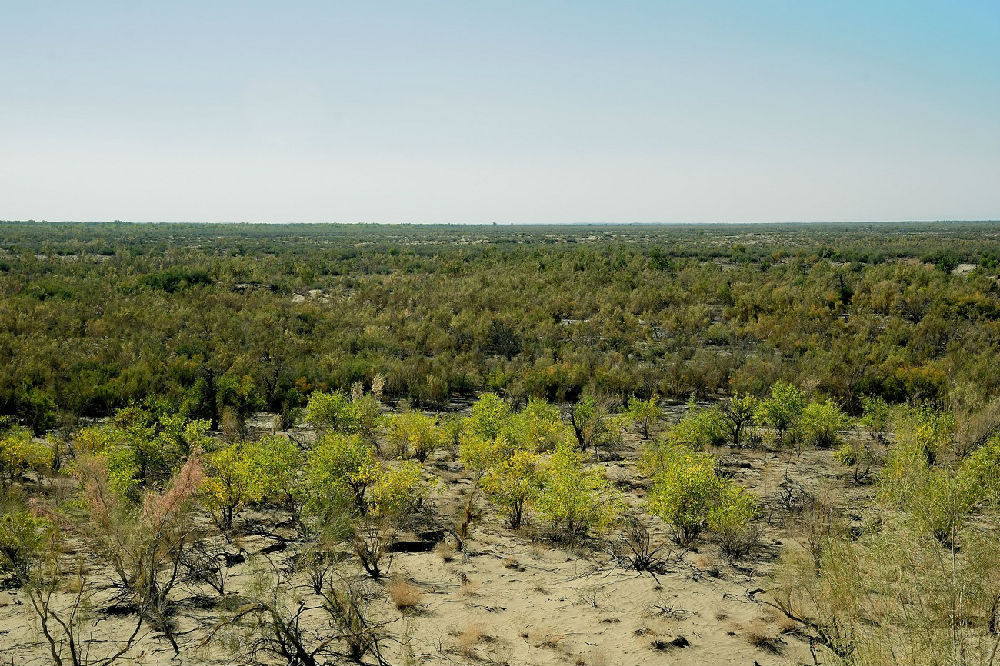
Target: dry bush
635 548
405 595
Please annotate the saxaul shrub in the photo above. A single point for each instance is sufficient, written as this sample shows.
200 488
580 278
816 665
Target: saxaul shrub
248 472
413 434
575 498
21 452
688 493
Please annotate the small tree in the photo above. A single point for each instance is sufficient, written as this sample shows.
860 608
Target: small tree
643 413
700 429
689 494
781 410
246 473
340 464
20 452
738 414
414 434
513 484
488 417
821 423
575 499
538 427
331 412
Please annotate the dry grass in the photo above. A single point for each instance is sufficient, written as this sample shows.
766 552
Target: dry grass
470 636
469 587
761 636
446 551
405 595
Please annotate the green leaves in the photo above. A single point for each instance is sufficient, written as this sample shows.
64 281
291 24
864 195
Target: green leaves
689 494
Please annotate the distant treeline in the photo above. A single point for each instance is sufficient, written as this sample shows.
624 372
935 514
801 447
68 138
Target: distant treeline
210 318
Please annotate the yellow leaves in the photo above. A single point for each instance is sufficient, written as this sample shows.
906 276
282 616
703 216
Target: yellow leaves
19 452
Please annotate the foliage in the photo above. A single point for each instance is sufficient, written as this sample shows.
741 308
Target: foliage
538 427
22 539
488 417
513 484
643 413
340 466
576 499
414 434
782 409
689 494
700 429
739 413
821 422
248 472
20 452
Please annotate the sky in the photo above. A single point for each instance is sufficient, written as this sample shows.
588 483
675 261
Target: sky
477 112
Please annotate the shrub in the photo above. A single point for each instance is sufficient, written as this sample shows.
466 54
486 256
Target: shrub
538 427
731 520
248 473
488 417
331 411
413 434
688 493
781 410
700 429
513 484
339 465
22 537
575 499
481 454
821 422
20 452
643 413
739 413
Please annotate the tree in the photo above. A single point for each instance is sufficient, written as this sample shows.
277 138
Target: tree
739 413
538 427
488 417
414 434
689 494
576 499
782 409
20 452
513 484
821 423
248 472
642 413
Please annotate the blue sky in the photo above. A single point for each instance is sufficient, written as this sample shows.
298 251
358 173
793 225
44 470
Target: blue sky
511 112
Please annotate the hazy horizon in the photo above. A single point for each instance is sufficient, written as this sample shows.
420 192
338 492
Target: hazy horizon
471 113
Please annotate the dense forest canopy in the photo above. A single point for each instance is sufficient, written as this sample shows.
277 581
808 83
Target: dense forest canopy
248 317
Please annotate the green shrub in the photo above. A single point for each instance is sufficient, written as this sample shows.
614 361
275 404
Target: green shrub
689 494
414 434
576 499
514 484
821 423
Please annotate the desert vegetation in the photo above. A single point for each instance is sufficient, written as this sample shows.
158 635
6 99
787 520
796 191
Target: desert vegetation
318 445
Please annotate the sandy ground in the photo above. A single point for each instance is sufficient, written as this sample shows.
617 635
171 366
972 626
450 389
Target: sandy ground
516 598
